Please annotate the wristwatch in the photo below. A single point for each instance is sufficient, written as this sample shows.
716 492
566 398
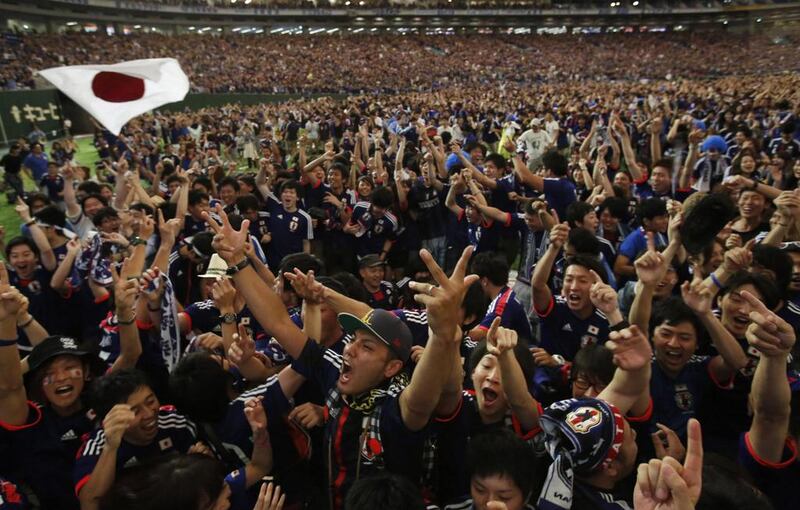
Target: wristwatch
228 318
232 270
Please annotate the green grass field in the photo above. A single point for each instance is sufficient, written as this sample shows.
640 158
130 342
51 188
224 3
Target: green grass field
86 156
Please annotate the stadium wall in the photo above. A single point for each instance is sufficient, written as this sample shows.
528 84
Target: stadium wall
47 108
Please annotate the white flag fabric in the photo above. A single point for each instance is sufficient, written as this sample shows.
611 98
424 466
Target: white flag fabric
114 94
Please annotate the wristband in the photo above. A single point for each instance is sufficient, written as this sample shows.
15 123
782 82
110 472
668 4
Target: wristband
232 270
30 222
125 323
619 327
716 281
136 241
7 343
27 323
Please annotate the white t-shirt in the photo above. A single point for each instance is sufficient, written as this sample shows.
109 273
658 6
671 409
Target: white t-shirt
533 143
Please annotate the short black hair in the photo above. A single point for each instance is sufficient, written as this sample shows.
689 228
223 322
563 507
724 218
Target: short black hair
97 196
292 184
305 262
587 262
649 208
664 163
492 266
247 203
583 241
770 295
146 209
778 261
521 353
555 162
576 211
103 214
115 388
229 181
384 490
51 215
196 196
341 168
502 453
673 311
382 197
191 481
498 160
37 197
199 388
202 243
617 207
594 360
89 187
352 286
20 241
475 302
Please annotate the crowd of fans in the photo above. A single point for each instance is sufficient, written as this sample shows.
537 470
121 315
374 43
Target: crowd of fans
395 63
489 296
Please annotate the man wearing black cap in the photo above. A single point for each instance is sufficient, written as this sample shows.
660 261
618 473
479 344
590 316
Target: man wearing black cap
376 419
382 294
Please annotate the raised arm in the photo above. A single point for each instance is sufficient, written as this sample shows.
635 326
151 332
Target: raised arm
13 399
541 290
650 270
627 151
732 357
126 290
420 398
629 389
501 343
527 177
46 255
655 139
456 186
695 137
774 339
266 306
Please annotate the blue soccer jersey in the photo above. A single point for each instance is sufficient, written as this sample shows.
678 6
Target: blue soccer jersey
175 434
373 231
777 480
289 230
511 312
564 333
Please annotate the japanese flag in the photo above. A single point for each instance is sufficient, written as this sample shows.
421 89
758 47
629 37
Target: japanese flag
114 94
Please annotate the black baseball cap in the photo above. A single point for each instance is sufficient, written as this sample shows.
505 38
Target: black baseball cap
386 326
370 261
705 220
53 346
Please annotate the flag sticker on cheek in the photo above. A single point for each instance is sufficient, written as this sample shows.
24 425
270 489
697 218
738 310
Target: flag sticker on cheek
117 87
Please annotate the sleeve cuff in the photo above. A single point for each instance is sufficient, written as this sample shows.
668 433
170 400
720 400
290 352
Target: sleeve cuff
102 299
547 310
644 417
453 415
790 445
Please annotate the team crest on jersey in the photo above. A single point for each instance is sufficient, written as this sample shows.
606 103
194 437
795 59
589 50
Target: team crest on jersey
683 398
588 340
35 287
165 443
584 419
293 224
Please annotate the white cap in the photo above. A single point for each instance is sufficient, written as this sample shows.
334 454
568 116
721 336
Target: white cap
216 268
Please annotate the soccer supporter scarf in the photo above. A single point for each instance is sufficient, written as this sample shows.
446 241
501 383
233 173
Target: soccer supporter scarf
366 402
580 435
170 331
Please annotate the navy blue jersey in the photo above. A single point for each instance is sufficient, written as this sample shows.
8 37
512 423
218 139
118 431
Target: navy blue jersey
512 315
333 222
427 206
192 226
777 480
35 455
483 236
417 322
559 193
677 400
41 301
373 232
446 475
565 333
54 186
385 297
353 441
289 230
175 434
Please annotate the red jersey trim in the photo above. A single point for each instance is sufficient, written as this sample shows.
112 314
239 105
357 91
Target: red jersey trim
790 444
78 486
547 310
447 419
102 299
645 417
17 428
643 180
718 384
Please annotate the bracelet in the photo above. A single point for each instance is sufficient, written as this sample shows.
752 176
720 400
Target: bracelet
125 323
619 327
30 222
716 281
7 343
27 323
232 270
136 241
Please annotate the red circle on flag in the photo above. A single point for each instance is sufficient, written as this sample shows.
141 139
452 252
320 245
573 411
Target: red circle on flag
117 87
